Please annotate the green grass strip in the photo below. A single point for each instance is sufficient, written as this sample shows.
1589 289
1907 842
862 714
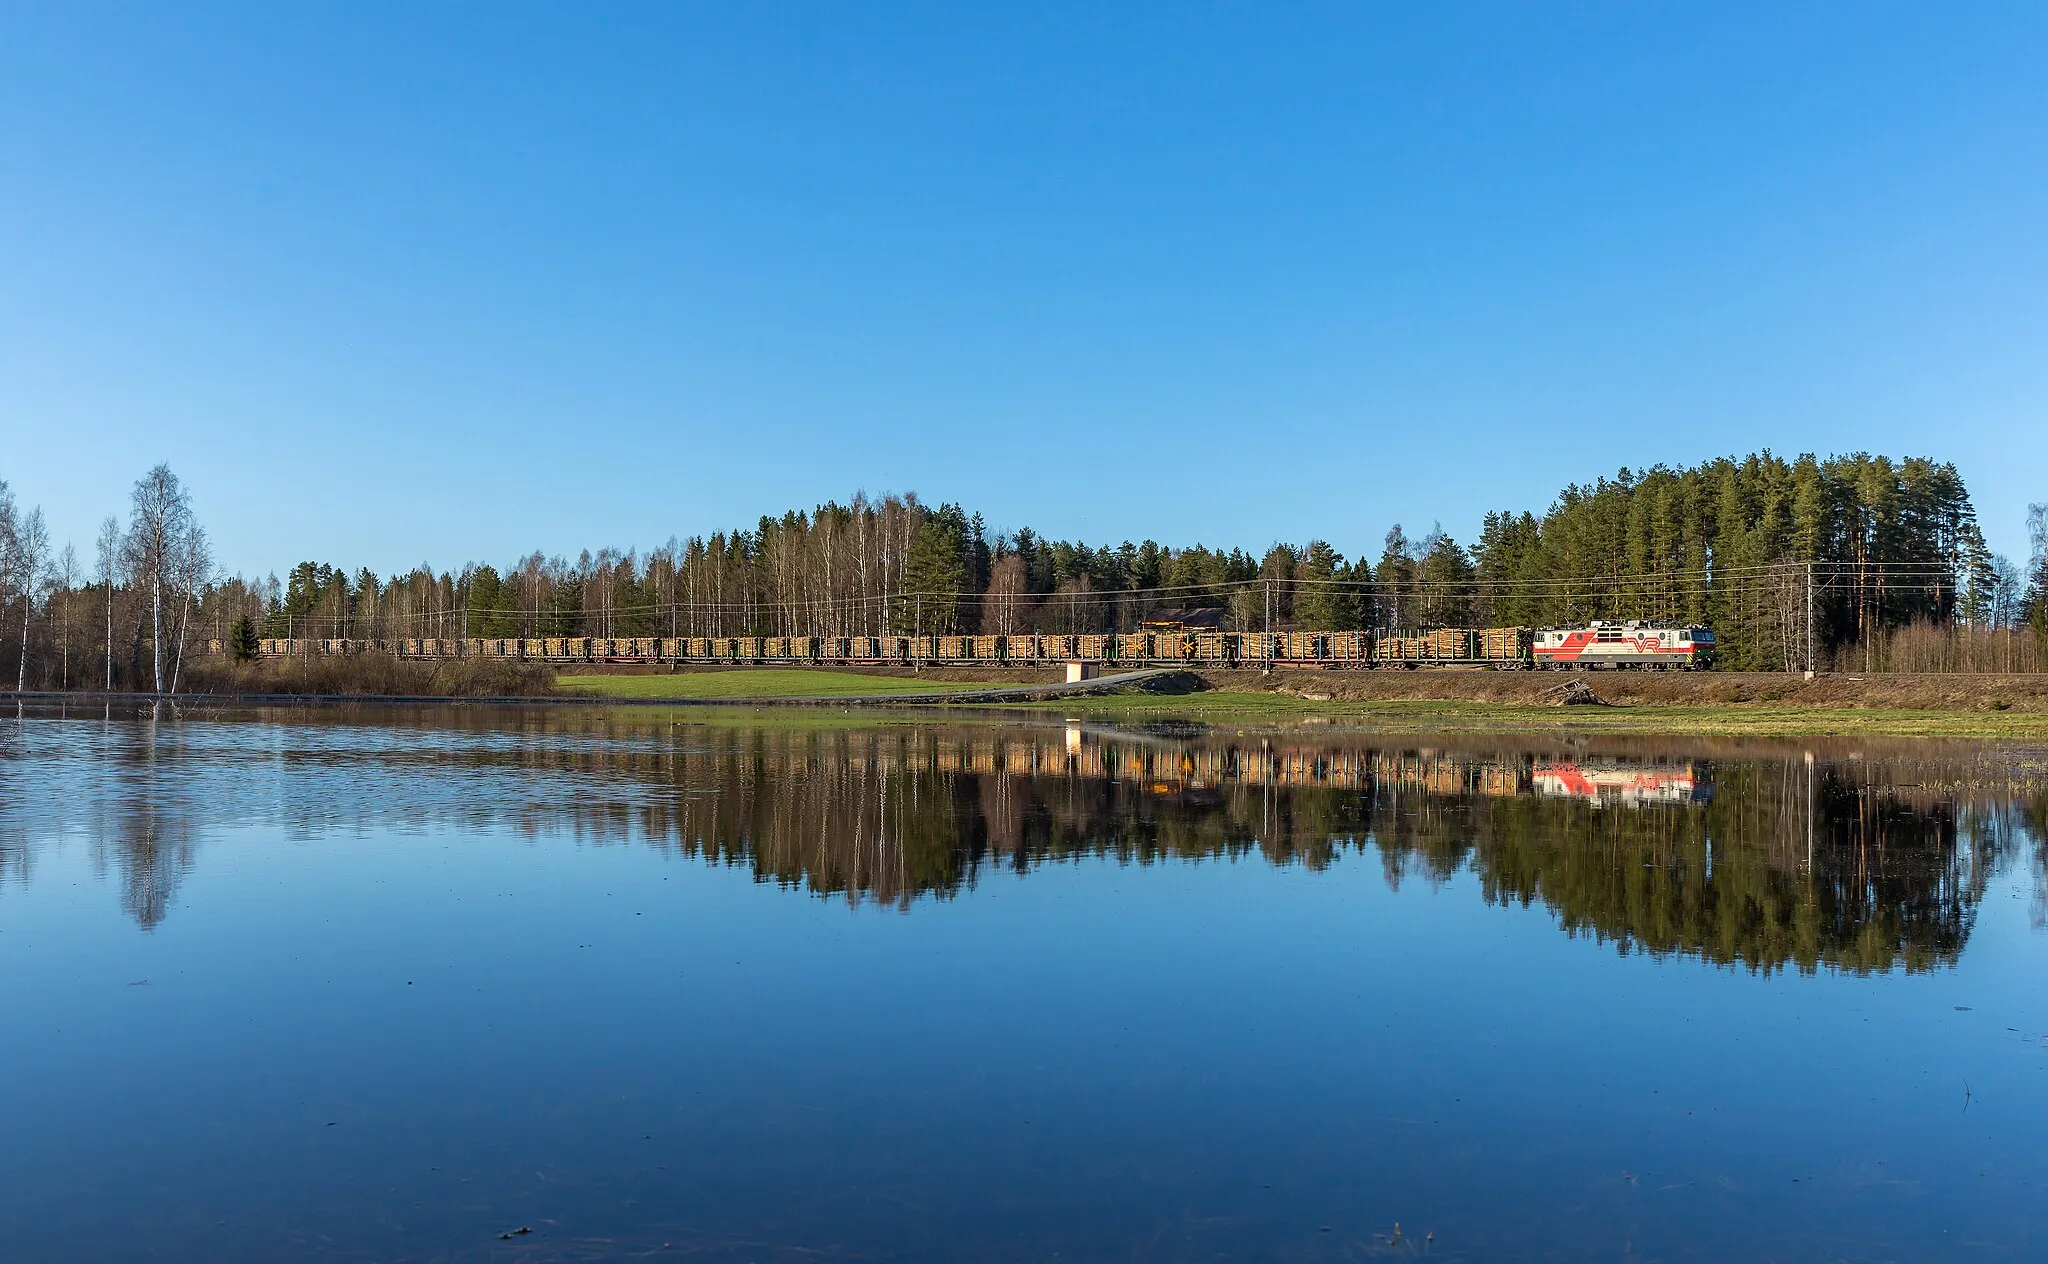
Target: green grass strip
767 682
1224 707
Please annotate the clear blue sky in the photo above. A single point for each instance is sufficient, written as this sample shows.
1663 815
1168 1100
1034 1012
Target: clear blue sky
400 282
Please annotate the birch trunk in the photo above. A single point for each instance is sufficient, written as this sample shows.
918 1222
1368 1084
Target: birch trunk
156 627
184 621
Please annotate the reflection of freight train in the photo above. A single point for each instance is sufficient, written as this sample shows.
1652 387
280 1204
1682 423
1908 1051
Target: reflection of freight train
1616 782
1598 645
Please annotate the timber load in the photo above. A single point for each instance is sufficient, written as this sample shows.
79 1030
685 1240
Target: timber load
1598 644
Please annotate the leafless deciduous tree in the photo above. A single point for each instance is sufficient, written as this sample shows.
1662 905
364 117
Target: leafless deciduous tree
160 520
66 576
10 548
1009 596
194 570
109 562
7 541
31 551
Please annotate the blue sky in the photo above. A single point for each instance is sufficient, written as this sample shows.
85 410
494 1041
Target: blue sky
404 282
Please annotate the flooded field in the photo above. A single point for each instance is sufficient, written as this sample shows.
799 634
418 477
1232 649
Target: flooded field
556 984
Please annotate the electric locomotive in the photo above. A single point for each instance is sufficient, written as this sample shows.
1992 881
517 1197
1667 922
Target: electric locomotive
1631 644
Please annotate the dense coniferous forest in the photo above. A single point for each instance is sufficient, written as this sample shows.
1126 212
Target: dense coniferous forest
1889 551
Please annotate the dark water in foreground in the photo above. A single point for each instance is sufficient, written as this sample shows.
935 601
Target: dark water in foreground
388 986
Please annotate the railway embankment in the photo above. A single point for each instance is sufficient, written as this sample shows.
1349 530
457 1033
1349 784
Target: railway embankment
1706 704
1664 702
1836 691
1702 703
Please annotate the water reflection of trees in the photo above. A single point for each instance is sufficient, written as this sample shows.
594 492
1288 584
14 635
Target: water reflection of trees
1887 883
150 852
141 816
1863 858
1889 877
1735 853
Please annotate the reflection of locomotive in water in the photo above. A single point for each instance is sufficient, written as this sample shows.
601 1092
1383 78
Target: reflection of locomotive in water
1179 643
1194 771
1614 781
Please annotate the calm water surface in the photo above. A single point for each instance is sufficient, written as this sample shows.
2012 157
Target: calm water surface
387 986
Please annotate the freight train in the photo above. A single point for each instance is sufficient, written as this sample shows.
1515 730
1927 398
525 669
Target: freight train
1597 645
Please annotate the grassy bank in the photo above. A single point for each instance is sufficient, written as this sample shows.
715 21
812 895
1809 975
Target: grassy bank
1697 704
762 682
1437 715
1703 703
1891 692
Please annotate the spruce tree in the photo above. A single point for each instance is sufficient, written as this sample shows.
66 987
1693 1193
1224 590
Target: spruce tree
242 643
934 576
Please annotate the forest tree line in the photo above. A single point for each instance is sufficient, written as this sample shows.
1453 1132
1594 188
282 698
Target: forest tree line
1888 549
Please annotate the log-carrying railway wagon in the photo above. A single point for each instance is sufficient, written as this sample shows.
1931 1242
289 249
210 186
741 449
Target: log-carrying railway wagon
1596 645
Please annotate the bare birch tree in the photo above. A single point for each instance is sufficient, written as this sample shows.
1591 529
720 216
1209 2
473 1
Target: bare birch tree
108 547
31 563
67 577
10 555
8 542
194 570
160 518
1008 594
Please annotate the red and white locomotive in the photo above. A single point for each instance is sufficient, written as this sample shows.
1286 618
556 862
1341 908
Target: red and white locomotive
1633 783
1631 644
